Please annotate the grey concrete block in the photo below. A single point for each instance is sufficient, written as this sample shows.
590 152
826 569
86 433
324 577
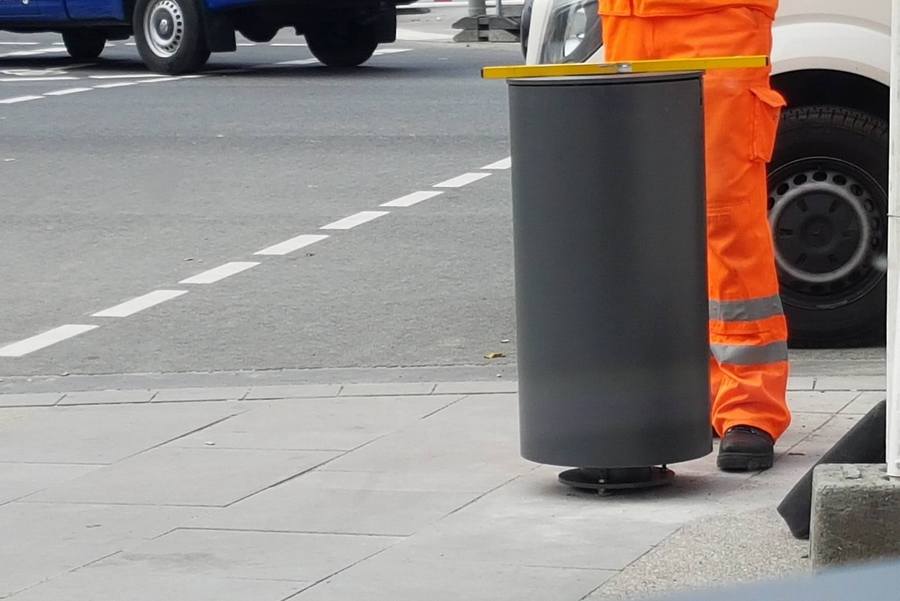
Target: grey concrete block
20 479
248 555
863 403
42 541
316 424
100 397
820 401
388 389
338 502
179 476
31 399
292 392
801 383
385 577
111 583
99 433
229 393
471 446
855 515
851 383
488 386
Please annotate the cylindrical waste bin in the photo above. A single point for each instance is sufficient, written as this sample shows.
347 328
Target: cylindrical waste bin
610 256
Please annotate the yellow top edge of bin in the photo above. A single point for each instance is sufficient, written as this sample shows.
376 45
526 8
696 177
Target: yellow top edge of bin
651 66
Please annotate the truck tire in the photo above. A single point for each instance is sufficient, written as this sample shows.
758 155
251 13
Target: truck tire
170 36
84 43
343 45
828 212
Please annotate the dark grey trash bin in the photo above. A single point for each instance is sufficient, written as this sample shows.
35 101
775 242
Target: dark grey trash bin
610 244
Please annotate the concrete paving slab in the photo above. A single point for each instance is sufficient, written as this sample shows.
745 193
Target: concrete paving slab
20 479
389 578
864 403
227 393
851 382
31 399
814 401
94 583
248 555
388 389
801 383
802 426
42 541
507 386
99 397
472 446
323 424
99 434
337 502
739 547
292 392
179 476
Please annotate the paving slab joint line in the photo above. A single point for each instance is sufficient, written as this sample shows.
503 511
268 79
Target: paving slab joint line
332 575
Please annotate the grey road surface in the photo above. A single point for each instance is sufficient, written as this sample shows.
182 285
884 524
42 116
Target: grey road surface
117 183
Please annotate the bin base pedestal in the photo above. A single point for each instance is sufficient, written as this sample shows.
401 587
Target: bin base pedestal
608 480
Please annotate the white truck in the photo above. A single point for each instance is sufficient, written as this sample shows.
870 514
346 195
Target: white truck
828 177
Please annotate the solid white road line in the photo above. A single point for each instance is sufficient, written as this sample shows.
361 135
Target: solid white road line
33 79
123 76
118 84
289 246
411 199
211 276
29 345
19 43
67 91
501 164
18 99
461 180
287 45
135 305
353 220
411 35
299 61
384 51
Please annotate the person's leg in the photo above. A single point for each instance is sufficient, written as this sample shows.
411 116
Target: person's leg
747 329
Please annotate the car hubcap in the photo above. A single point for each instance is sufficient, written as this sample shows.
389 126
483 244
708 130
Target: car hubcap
828 223
164 27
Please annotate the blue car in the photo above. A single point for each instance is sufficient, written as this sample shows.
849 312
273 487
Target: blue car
177 36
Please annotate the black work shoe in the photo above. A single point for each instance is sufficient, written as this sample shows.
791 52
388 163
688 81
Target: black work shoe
746 449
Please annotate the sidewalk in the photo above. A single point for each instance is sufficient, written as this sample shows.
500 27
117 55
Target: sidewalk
392 491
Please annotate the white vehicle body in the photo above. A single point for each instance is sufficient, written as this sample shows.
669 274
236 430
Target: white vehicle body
831 60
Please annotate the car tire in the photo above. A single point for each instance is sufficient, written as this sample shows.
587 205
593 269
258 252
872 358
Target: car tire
828 212
169 35
84 44
343 45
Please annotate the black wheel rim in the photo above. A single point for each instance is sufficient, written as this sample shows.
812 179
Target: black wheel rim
829 224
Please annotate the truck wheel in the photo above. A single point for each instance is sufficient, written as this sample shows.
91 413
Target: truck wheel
170 36
84 43
828 212
343 45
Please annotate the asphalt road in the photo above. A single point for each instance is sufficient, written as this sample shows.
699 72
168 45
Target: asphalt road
118 184
114 192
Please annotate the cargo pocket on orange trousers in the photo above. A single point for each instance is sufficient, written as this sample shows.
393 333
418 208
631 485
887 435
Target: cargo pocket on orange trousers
767 107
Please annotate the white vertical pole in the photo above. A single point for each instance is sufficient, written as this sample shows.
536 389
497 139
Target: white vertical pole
892 451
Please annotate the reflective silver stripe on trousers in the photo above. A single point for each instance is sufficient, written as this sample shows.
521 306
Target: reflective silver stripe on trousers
745 310
737 354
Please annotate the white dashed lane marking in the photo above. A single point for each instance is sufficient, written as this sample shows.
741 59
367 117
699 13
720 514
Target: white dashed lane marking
211 276
19 99
118 84
461 180
35 343
67 91
499 165
36 79
151 299
412 199
354 220
289 246
138 304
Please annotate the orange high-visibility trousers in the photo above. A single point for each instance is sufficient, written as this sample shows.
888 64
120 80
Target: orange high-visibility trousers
748 333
